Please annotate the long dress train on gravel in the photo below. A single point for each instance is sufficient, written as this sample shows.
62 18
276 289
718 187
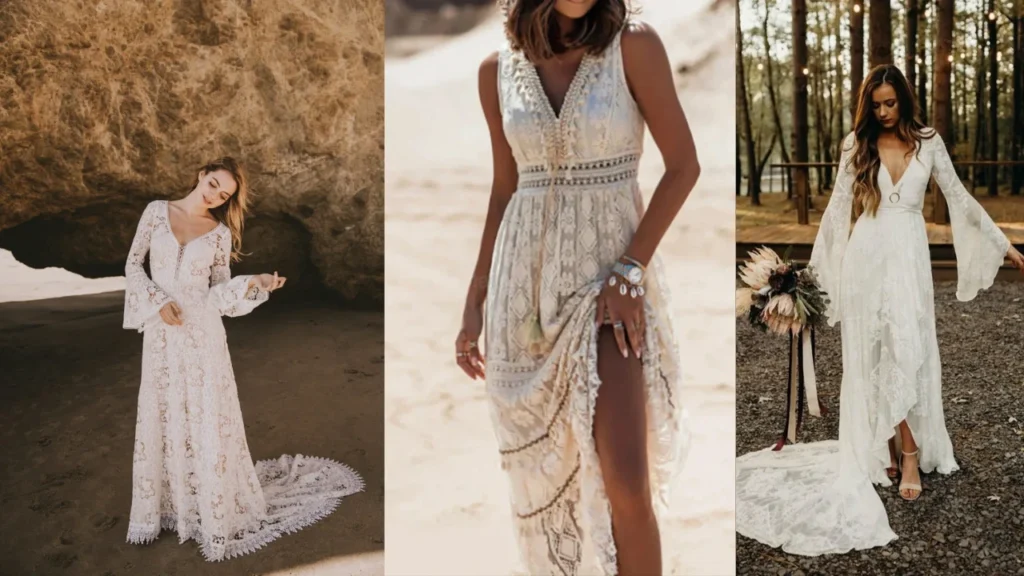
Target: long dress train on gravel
819 498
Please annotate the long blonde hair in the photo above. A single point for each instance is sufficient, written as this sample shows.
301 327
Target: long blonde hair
231 213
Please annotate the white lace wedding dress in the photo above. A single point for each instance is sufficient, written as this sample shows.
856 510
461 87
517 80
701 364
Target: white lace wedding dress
819 498
578 201
191 469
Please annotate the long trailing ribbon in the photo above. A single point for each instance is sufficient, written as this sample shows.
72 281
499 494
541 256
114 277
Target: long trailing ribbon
802 385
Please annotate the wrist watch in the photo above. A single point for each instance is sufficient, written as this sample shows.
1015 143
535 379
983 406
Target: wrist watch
632 273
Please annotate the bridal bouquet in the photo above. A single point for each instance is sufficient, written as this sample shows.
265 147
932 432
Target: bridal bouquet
779 296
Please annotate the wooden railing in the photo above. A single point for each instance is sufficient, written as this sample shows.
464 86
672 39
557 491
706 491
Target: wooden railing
940 215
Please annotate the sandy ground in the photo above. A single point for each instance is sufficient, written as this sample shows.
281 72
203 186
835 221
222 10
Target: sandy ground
447 506
309 382
968 522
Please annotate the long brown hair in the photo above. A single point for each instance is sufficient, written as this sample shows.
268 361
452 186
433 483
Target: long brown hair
232 212
531 27
866 127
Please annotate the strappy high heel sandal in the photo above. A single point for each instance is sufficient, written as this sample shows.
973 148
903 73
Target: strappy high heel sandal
909 485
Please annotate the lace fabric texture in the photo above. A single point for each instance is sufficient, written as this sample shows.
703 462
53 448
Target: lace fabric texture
191 470
818 498
576 209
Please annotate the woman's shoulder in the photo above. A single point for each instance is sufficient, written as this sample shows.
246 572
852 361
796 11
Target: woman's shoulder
849 141
639 36
154 208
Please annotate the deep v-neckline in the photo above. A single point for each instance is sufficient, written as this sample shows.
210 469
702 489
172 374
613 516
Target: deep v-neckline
574 86
906 168
170 228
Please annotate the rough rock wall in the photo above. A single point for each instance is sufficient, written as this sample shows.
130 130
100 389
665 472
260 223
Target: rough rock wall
107 105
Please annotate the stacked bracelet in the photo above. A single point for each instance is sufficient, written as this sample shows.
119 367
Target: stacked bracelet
628 275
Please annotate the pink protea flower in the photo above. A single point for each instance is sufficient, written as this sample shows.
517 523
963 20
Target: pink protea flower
756 272
782 304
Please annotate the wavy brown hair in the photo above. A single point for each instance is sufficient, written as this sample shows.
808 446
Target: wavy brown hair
866 128
531 27
232 212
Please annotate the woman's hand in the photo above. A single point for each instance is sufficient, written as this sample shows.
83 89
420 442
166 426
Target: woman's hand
1016 258
467 352
171 314
268 282
626 315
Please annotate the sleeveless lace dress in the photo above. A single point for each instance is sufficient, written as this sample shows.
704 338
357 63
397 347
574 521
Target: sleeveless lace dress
573 215
818 498
191 469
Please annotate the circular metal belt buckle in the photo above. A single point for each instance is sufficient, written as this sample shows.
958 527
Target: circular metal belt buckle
897 195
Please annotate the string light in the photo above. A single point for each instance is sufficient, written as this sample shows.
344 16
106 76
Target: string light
856 8
950 57
806 71
760 67
991 15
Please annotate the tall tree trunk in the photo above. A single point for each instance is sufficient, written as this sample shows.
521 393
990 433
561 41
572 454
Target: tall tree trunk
817 71
941 113
856 54
776 116
979 101
800 175
910 54
830 107
922 53
753 174
993 100
1018 93
880 33
840 110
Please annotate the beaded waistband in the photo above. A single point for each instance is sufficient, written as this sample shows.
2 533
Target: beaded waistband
596 173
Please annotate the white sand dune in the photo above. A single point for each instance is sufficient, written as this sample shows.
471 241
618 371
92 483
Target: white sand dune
20 283
446 500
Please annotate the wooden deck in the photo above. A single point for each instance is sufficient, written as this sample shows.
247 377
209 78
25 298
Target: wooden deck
778 237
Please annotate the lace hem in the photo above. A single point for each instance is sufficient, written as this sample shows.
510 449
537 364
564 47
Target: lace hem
267 531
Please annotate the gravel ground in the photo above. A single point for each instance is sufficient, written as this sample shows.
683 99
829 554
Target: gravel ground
971 522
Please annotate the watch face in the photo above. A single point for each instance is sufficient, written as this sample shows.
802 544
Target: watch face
634 275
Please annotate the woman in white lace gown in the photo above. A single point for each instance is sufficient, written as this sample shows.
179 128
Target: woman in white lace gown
192 471
819 498
566 99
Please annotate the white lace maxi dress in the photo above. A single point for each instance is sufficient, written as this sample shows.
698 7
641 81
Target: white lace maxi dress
818 498
577 181
191 469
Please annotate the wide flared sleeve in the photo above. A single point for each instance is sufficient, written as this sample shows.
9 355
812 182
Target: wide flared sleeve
232 296
834 232
143 299
979 244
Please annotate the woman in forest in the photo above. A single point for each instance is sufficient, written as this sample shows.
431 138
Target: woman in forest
192 471
818 498
575 299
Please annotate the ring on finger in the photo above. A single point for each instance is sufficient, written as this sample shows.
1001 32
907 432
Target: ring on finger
618 325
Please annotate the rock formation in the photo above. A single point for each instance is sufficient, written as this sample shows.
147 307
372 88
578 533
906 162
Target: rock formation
107 105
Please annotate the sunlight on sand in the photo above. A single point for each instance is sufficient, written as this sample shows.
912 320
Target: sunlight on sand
21 283
447 508
367 564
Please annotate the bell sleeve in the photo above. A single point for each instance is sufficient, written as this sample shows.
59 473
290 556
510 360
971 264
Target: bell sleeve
979 244
834 232
143 299
232 296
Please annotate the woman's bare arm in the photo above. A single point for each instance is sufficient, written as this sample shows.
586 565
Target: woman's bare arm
503 183
649 76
